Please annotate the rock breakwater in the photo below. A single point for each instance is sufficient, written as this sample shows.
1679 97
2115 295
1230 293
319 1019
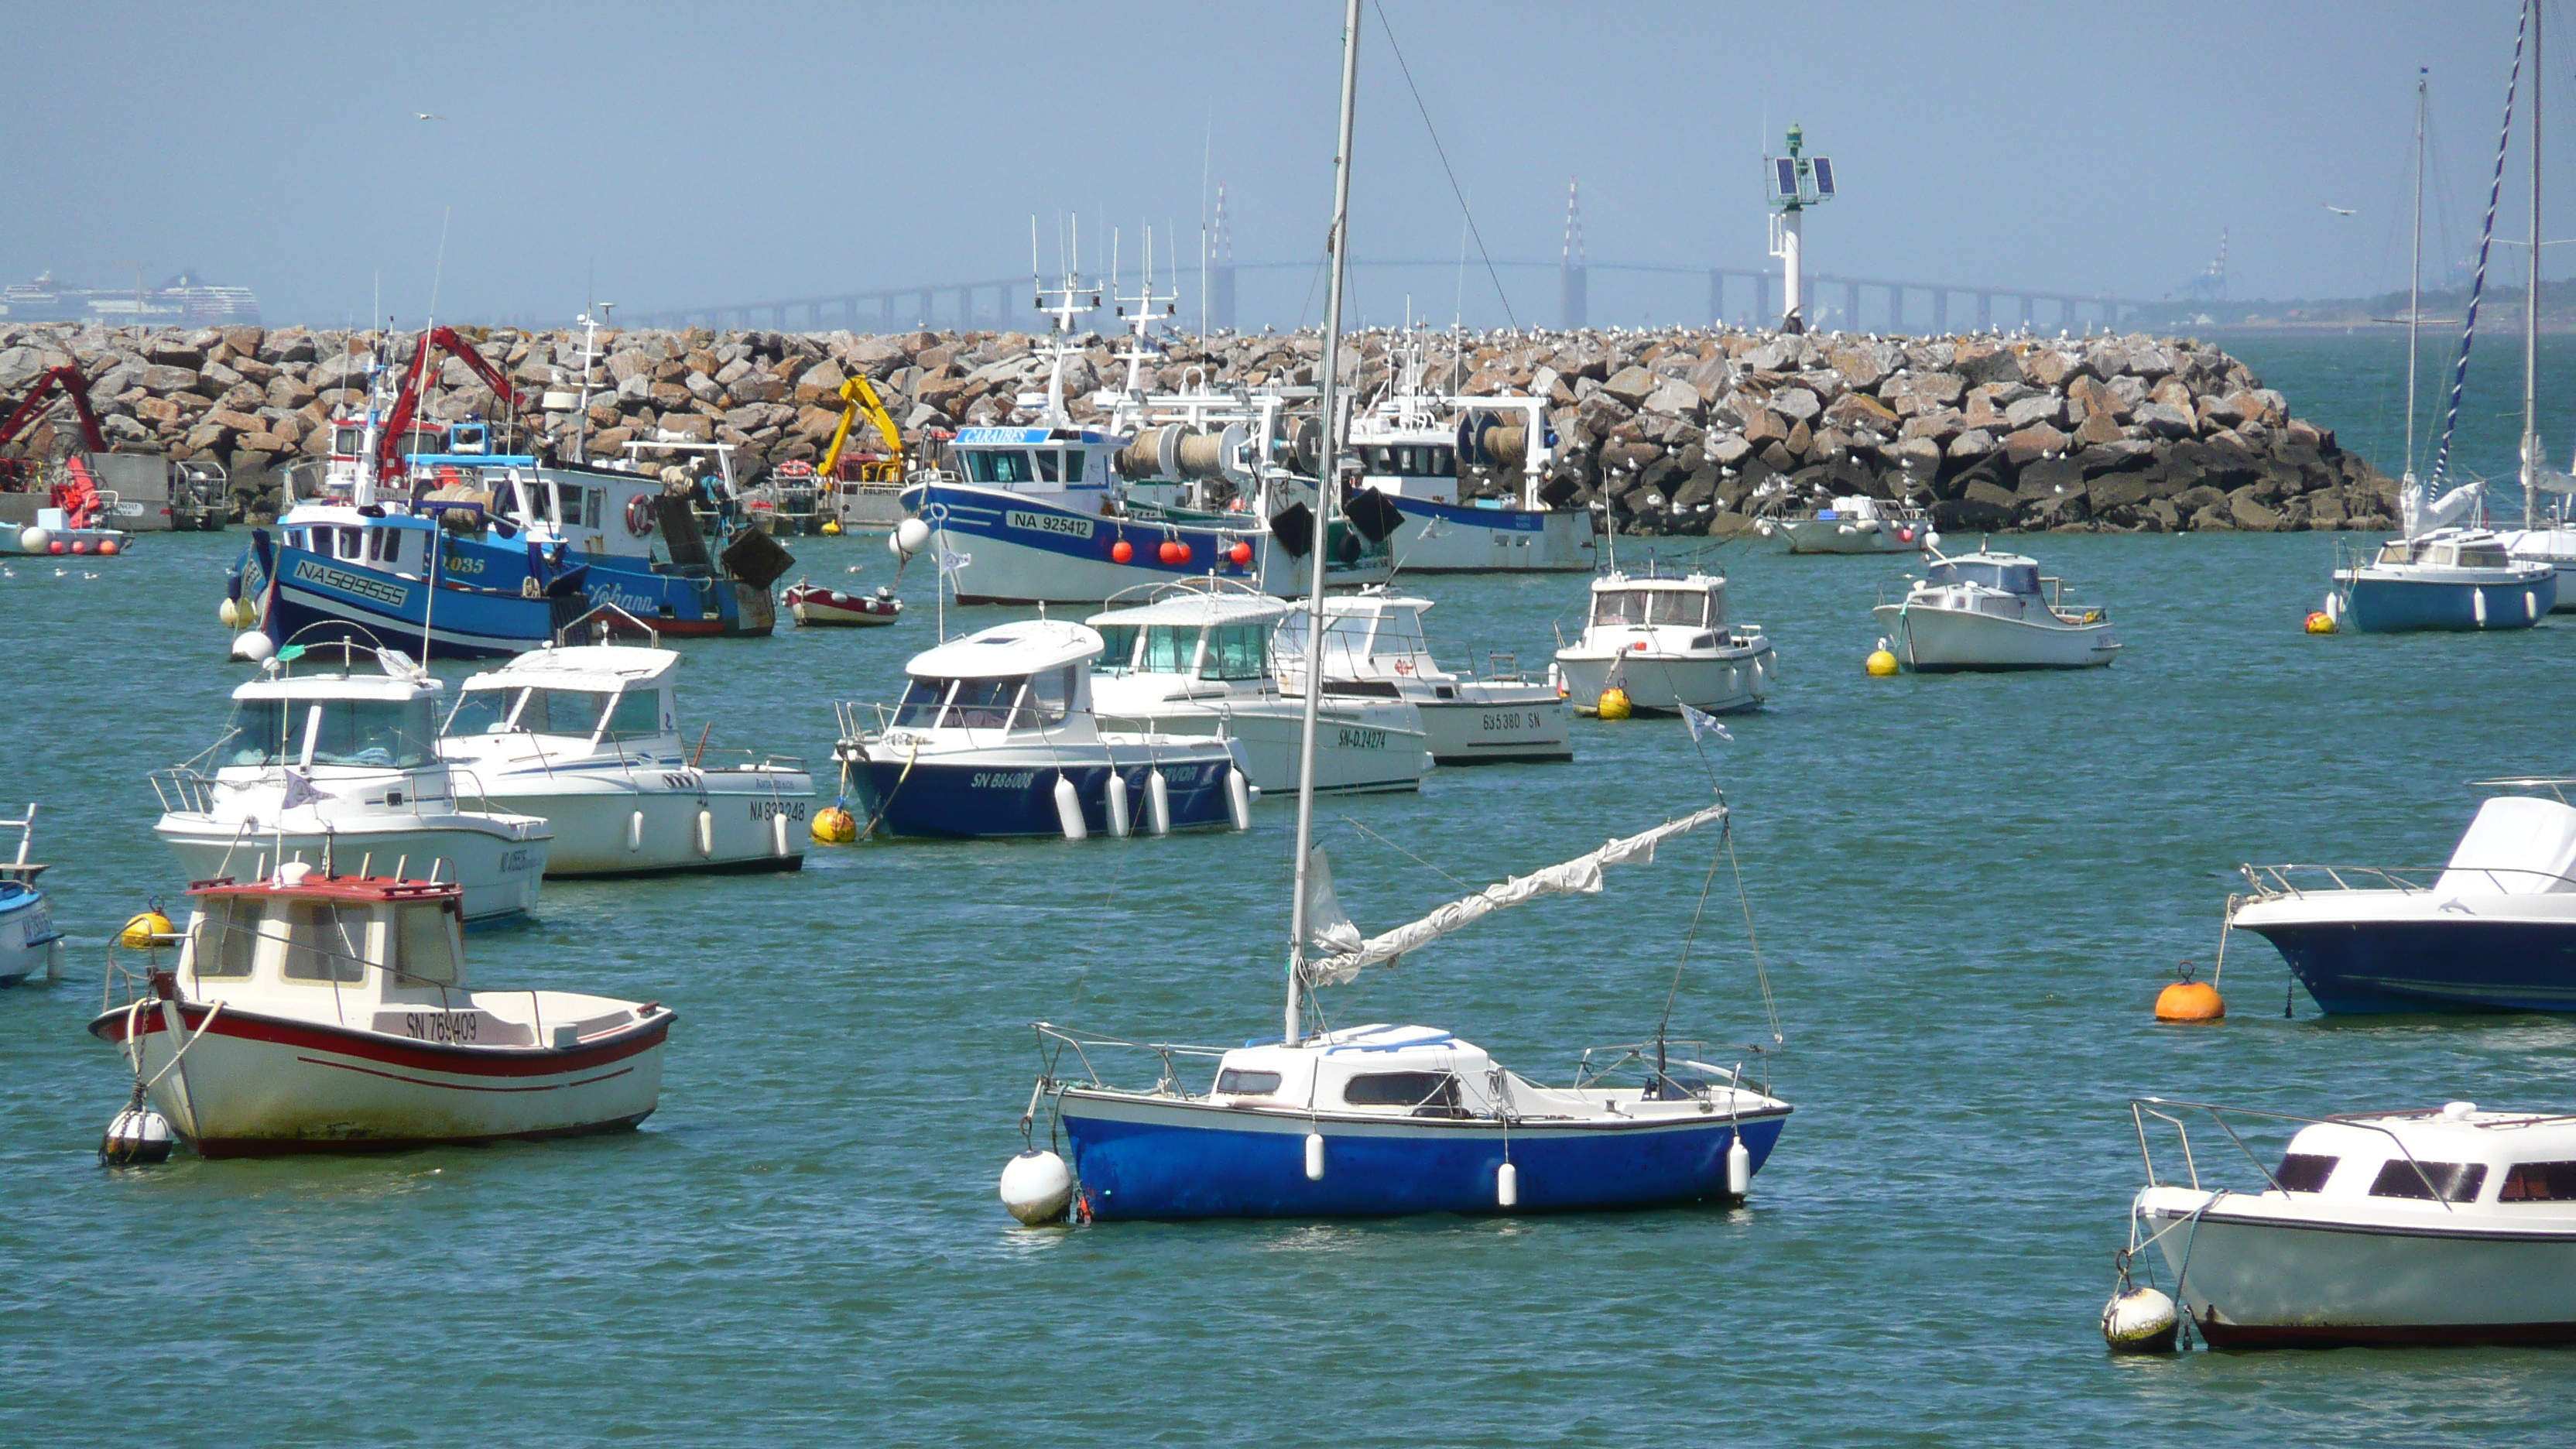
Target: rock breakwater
1682 431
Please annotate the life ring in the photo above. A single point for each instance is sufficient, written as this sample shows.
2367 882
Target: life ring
639 516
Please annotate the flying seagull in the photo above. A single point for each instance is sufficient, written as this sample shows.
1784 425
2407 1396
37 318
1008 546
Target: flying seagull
426 116
2341 210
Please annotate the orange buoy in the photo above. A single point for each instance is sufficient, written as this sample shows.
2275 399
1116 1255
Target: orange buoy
2320 622
2189 1000
1241 553
1121 551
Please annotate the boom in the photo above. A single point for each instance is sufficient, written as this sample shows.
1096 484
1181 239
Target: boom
389 461
71 381
858 397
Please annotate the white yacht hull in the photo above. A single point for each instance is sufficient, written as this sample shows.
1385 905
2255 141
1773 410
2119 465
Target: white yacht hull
2252 1276
1491 723
1444 538
1734 678
644 820
2555 547
498 861
1867 535
1359 747
1933 641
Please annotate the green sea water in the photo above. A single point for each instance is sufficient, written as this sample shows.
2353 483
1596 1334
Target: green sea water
1967 890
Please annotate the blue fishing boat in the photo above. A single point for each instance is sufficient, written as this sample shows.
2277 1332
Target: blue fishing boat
1382 1119
339 574
29 943
995 738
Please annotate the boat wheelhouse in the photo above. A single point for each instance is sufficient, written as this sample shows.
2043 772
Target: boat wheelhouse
29 944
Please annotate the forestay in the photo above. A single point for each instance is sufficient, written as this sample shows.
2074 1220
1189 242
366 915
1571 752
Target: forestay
1579 876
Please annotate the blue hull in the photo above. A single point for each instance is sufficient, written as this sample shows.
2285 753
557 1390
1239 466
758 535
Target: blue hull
2395 606
313 598
1136 1170
972 802
671 603
2435 966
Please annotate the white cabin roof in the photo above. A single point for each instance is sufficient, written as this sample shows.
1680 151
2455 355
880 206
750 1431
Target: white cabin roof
1200 609
1694 582
337 686
1372 606
582 666
1008 649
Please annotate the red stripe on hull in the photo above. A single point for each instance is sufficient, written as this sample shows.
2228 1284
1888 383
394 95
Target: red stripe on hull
421 1056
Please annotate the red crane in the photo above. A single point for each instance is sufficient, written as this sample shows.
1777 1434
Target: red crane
389 457
18 473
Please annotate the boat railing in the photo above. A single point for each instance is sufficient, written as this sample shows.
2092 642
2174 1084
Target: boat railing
2173 1113
345 964
1660 1059
2274 882
183 791
1055 1042
744 760
2556 785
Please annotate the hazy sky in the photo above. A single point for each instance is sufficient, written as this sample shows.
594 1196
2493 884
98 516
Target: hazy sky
672 155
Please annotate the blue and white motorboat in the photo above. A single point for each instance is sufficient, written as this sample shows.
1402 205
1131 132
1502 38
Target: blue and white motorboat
2492 930
1070 513
995 738
1411 448
29 944
2455 579
1382 1119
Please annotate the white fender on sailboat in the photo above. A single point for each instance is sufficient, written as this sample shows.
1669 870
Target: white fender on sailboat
1068 809
1314 1157
1238 798
706 831
634 830
1158 803
1507 1186
1739 1167
778 834
1119 824
2478 605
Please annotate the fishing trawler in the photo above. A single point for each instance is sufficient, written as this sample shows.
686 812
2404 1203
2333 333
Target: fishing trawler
1412 447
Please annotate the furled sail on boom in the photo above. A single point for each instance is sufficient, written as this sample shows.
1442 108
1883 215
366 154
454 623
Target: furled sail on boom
1579 876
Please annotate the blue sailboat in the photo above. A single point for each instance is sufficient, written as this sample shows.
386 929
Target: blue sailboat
29 944
1386 1119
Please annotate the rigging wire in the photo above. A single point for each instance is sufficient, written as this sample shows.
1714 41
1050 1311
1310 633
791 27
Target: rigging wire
2486 240
1454 188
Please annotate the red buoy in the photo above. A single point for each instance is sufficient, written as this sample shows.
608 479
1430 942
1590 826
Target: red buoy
55 547
107 545
80 545
1180 552
1122 552
1241 553
1169 553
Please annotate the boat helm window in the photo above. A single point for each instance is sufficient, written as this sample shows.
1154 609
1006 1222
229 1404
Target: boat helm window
1050 465
256 734
320 946
2482 556
1345 639
424 951
1235 651
2538 1182
2015 578
346 441
1427 1094
921 701
1422 460
1399 631
1236 1082
983 704
1073 464
1170 649
2455 1181
484 711
370 733
2305 1172
227 937
1049 700
562 711
1118 649
1687 608
638 712
997 465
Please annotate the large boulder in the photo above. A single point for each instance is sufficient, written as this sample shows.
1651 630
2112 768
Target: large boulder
2164 420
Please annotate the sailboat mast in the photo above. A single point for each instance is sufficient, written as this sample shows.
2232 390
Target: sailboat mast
2415 276
2531 292
1328 473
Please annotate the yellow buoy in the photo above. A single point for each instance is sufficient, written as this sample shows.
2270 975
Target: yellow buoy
835 826
1614 704
1881 664
2189 1000
2320 622
831 527
140 933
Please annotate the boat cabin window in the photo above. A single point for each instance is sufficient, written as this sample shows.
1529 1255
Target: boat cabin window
422 948
638 712
1236 1082
2482 556
378 733
921 701
2538 1182
1119 647
562 711
1073 465
484 711
2305 1172
2019 578
1688 608
1428 1094
1412 460
227 938
1235 651
1170 648
1399 631
1050 698
2397 551
347 441
2441 554
1345 639
1050 465
2454 1181
997 465
984 704
257 734
321 945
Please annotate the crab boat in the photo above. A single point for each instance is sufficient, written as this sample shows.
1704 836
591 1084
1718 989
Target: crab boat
315 1013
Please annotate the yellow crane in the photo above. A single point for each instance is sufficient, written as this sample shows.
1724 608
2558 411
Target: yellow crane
858 398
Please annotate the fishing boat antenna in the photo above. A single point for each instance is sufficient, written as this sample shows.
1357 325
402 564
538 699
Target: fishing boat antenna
1327 477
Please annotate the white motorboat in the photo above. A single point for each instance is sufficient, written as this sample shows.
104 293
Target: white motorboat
1666 642
342 771
318 1013
1374 649
1199 661
1993 611
995 737
29 944
2451 1225
1858 524
588 738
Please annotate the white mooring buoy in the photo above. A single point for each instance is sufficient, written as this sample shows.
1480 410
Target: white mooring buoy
1037 1187
253 646
138 1136
1739 1168
1507 1185
1314 1157
2140 1320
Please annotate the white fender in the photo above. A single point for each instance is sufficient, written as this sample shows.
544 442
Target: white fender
1158 803
1507 1186
634 831
1238 798
778 834
1118 821
1739 1167
1068 809
1314 1157
706 831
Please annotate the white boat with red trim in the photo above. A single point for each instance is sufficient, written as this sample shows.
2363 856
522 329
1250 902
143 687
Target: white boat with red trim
820 606
314 1013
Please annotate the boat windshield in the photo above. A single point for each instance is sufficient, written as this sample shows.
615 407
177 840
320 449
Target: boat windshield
1688 608
378 733
1236 651
1119 648
2017 578
1014 702
1169 649
425 951
1345 638
997 465
2397 551
498 709
257 734
1411 460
